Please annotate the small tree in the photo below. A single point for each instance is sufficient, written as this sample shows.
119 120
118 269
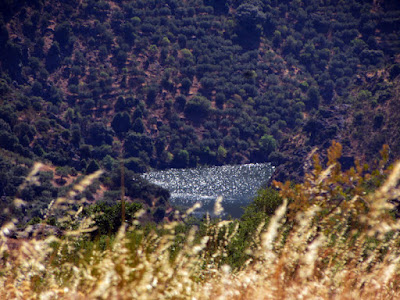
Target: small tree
121 123
62 172
181 159
92 167
120 105
221 154
198 107
185 85
267 144
313 98
138 126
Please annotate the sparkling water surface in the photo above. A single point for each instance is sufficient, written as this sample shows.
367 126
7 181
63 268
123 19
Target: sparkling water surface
237 184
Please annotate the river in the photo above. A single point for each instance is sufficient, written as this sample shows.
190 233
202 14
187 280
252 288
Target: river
237 184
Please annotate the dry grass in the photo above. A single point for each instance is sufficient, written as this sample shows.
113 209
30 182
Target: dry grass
331 239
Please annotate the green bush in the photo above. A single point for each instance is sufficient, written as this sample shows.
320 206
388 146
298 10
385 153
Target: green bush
121 123
198 107
267 144
108 218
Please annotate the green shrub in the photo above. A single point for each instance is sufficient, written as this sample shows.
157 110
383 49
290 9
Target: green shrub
267 144
198 107
108 217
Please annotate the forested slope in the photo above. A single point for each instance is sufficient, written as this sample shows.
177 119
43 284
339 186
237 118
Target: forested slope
187 83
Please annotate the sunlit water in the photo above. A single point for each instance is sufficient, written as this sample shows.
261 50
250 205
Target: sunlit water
236 184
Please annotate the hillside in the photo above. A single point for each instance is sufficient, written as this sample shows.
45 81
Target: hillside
171 83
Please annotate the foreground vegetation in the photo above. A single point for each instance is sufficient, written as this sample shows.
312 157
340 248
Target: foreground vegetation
333 236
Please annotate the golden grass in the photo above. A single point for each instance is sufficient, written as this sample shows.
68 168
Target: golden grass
330 239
